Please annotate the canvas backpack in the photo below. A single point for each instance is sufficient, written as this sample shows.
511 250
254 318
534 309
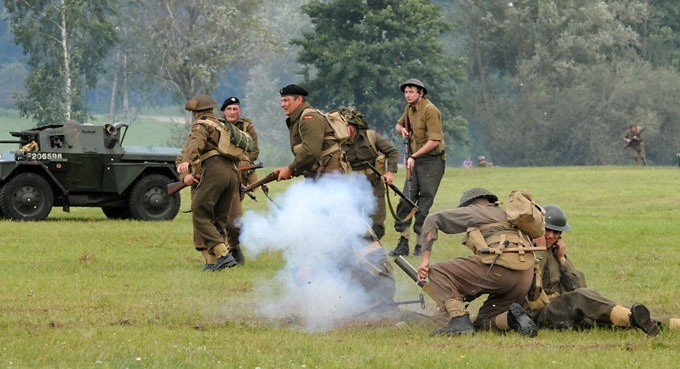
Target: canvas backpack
233 143
525 214
337 122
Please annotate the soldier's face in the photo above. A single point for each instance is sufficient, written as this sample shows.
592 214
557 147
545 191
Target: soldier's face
551 237
232 113
412 95
290 103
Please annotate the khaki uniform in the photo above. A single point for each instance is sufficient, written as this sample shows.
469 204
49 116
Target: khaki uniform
359 151
567 303
211 199
636 146
463 279
425 123
314 145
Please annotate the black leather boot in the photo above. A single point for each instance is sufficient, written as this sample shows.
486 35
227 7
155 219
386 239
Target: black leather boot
402 247
639 318
226 261
457 326
520 321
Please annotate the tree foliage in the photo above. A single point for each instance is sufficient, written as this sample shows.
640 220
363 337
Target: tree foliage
65 42
360 51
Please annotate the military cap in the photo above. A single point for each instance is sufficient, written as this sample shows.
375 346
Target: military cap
474 193
230 101
200 103
293 90
413 82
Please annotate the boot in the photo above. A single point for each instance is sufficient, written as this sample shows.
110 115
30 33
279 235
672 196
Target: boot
520 321
417 251
238 255
457 326
226 261
639 318
402 247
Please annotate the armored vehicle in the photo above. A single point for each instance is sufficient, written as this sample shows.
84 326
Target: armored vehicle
76 164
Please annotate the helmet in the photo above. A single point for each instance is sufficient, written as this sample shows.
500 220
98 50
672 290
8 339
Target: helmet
555 218
200 103
474 193
353 116
481 157
413 82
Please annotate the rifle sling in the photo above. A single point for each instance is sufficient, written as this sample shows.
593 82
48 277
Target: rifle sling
394 214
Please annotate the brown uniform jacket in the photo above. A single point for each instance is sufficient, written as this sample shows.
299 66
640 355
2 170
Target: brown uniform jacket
425 122
310 136
360 150
558 278
202 138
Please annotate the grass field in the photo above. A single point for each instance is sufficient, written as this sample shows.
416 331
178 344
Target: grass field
81 291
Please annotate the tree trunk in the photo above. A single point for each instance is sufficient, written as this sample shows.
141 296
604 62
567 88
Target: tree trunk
68 96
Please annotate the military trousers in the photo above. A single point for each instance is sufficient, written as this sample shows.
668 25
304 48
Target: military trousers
467 278
380 214
212 198
577 309
421 189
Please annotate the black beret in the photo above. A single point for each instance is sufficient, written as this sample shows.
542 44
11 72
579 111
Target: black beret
293 90
230 101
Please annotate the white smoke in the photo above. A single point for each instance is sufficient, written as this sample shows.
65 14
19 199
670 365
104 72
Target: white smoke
317 226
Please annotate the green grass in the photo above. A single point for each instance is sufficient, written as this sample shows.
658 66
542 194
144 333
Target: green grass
79 290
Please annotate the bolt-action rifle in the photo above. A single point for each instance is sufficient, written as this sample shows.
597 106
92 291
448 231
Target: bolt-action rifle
393 187
175 187
413 274
635 138
268 178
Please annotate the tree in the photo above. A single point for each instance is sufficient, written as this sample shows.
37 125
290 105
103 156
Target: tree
66 42
361 50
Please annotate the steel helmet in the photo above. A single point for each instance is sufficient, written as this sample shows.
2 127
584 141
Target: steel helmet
555 218
200 103
474 193
413 82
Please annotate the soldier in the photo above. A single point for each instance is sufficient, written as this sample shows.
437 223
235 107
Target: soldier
421 127
312 138
213 195
482 163
231 108
560 298
367 145
634 143
504 275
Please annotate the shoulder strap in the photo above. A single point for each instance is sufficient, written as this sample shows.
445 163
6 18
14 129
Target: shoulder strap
371 140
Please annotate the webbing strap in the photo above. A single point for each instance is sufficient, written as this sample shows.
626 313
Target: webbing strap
394 214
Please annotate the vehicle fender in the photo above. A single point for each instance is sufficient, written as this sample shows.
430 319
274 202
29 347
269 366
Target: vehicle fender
9 171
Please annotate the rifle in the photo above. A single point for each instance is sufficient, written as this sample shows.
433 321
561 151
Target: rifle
393 187
413 274
175 187
635 137
268 178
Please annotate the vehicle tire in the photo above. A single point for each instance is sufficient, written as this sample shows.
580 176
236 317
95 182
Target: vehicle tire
27 196
115 212
149 199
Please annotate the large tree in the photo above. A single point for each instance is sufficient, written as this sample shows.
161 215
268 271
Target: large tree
65 42
361 50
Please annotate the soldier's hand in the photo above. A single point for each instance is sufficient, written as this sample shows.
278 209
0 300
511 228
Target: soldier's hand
183 168
388 177
284 173
561 251
189 180
424 267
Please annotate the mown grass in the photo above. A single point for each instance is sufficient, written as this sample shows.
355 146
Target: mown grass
79 290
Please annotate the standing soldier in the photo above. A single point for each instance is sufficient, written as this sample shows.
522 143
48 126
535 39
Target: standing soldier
312 138
421 128
366 145
634 143
502 266
213 195
560 299
231 108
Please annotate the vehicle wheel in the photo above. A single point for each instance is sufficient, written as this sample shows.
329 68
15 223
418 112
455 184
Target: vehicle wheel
149 199
113 212
27 196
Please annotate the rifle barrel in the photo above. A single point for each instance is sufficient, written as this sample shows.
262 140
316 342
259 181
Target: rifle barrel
392 186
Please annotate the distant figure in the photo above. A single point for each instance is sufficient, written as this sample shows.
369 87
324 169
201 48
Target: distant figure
482 163
467 163
634 143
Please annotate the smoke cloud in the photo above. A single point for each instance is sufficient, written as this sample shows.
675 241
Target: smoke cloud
317 228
